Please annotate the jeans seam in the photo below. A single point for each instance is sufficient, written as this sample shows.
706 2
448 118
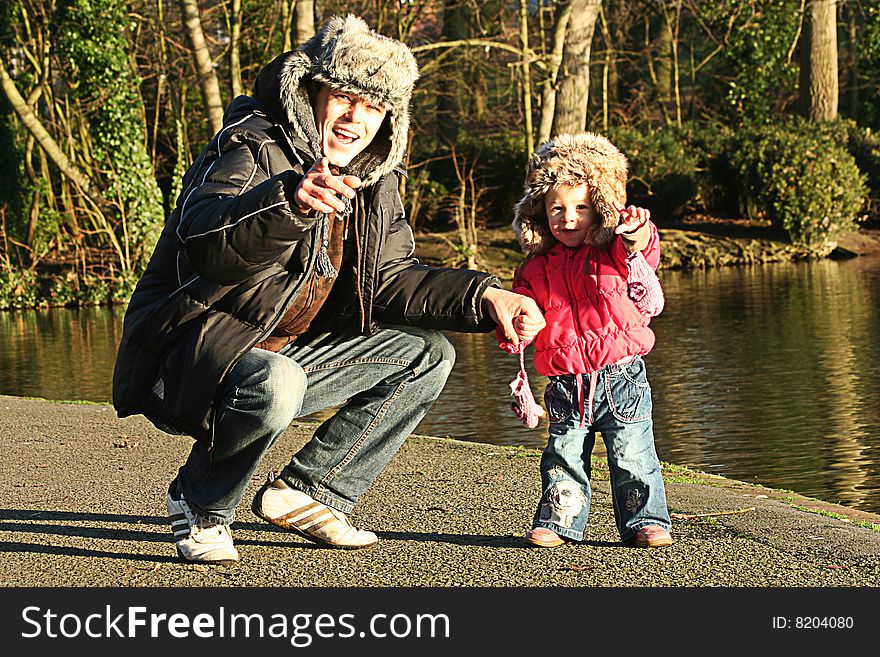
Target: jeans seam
213 518
357 361
360 441
320 494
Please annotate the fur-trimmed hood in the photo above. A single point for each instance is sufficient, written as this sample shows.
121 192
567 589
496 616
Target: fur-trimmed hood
571 159
348 55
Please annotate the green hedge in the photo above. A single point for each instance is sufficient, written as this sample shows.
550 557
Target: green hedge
864 145
663 169
801 176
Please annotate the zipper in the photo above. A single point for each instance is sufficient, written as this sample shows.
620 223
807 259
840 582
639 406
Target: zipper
379 242
359 279
571 256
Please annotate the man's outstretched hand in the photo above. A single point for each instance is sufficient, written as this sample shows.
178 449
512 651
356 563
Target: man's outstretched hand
320 189
518 316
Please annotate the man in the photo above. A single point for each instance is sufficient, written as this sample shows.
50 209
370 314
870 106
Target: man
285 283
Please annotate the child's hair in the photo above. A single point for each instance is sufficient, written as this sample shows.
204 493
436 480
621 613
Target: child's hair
571 159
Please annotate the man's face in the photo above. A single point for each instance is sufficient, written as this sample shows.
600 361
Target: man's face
346 123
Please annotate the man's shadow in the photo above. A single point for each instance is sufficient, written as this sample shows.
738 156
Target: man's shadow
37 522
156 530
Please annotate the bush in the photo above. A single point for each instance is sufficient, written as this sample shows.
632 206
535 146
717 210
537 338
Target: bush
800 176
716 182
500 172
663 169
18 288
864 145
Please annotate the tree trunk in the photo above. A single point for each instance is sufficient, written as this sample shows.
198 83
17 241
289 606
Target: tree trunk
304 17
208 82
818 78
449 105
554 62
663 66
286 28
851 88
573 92
526 68
235 49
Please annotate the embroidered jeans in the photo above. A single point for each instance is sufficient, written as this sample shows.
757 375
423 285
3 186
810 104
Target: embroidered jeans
622 414
384 384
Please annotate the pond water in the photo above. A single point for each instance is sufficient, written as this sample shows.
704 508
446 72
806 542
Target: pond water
766 374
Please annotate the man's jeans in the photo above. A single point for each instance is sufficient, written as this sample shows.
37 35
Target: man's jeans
622 414
384 383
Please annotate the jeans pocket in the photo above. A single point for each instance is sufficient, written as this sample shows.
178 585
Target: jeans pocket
557 399
629 393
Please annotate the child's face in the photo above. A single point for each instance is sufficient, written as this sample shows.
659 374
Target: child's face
569 213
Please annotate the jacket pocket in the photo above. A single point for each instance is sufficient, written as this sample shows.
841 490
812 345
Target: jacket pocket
629 393
558 399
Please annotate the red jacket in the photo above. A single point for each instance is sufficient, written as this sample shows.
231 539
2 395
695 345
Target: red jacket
582 292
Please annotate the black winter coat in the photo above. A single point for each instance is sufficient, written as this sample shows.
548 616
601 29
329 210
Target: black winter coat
235 253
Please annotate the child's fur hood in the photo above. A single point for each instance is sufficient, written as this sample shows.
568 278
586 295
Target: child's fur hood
571 159
347 55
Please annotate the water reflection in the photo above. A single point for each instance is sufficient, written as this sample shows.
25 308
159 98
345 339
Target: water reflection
763 374
59 353
772 381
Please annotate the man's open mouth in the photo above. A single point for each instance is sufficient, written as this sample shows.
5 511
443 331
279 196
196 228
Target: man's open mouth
345 136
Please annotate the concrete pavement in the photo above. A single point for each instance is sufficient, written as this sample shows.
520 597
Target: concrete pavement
82 505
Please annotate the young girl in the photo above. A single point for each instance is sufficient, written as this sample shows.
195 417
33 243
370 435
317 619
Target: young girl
582 244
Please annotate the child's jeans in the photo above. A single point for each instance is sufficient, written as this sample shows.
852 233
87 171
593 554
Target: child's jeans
622 414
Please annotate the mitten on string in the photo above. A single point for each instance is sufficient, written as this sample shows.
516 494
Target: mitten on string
643 286
524 405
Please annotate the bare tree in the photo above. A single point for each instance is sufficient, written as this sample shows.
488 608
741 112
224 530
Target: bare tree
573 94
452 85
465 208
525 66
208 82
235 49
851 58
818 77
304 21
554 62
33 124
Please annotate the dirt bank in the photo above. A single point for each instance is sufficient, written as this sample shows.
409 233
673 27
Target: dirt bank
694 244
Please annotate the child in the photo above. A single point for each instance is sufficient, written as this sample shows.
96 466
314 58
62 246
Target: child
581 244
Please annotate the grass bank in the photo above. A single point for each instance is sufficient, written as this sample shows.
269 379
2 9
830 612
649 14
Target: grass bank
698 243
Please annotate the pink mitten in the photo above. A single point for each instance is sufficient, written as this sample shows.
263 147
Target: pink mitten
643 286
524 405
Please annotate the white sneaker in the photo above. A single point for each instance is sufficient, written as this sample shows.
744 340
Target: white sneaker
199 541
295 511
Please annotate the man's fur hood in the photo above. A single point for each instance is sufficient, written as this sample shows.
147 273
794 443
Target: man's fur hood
571 159
348 55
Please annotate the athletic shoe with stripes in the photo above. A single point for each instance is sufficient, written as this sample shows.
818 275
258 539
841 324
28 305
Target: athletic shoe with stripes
197 540
293 510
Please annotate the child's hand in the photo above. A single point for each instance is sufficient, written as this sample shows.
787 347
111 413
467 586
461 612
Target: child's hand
507 307
527 327
631 218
